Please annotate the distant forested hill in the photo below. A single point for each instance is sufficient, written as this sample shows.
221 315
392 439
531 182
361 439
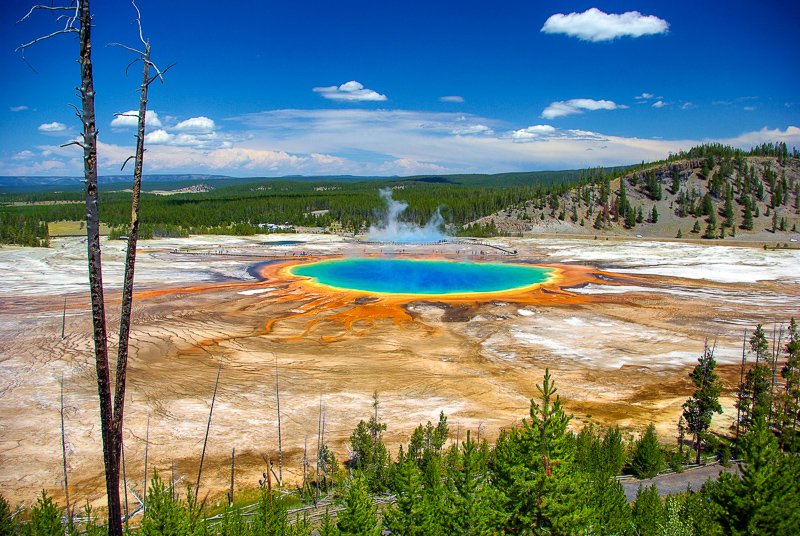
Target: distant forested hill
711 191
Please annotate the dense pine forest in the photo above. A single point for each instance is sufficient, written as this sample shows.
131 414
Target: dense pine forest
344 205
708 192
540 477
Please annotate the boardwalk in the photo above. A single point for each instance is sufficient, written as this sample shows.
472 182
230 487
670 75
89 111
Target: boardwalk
672 483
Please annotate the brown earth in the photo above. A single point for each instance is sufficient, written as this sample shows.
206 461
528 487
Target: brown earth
616 359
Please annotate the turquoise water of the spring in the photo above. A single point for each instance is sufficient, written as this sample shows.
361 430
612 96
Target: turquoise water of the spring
403 276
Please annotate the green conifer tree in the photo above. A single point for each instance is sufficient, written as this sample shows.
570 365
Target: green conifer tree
699 409
534 470
764 499
648 459
648 511
45 517
359 518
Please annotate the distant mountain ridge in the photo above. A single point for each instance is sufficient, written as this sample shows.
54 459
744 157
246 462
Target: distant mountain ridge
18 183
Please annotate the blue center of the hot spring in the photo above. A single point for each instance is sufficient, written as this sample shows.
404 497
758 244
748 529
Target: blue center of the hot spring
402 276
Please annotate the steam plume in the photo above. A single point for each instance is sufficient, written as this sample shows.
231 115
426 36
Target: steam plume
391 229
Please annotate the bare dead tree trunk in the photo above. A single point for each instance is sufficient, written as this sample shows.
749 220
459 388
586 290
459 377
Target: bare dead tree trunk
208 427
305 465
280 445
111 451
130 259
125 486
319 449
146 448
64 319
111 410
741 387
64 452
233 461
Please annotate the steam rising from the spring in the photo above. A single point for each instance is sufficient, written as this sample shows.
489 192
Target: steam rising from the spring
391 229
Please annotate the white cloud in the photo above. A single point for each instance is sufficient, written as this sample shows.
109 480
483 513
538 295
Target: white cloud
52 128
749 108
350 91
595 25
452 98
687 105
533 133
644 96
196 124
23 155
659 104
131 119
374 142
157 137
577 106
18 108
472 129
537 133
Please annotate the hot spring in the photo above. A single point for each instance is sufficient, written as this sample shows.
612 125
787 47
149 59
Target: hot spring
403 276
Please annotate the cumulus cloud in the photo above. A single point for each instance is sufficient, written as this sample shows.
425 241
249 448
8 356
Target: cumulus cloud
578 106
18 108
196 124
659 104
52 128
595 25
452 98
131 119
534 132
538 133
157 137
350 91
644 96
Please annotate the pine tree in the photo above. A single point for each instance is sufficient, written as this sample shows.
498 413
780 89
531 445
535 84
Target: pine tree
696 226
764 499
648 511
369 454
472 504
647 458
754 393
676 182
711 228
327 527
534 469
747 222
166 514
654 215
7 525
359 518
410 515
789 398
45 517
699 409
622 199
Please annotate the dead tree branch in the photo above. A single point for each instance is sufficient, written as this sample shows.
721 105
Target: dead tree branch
208 427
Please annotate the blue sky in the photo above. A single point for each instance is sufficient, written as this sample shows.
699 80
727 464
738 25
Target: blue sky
262 88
